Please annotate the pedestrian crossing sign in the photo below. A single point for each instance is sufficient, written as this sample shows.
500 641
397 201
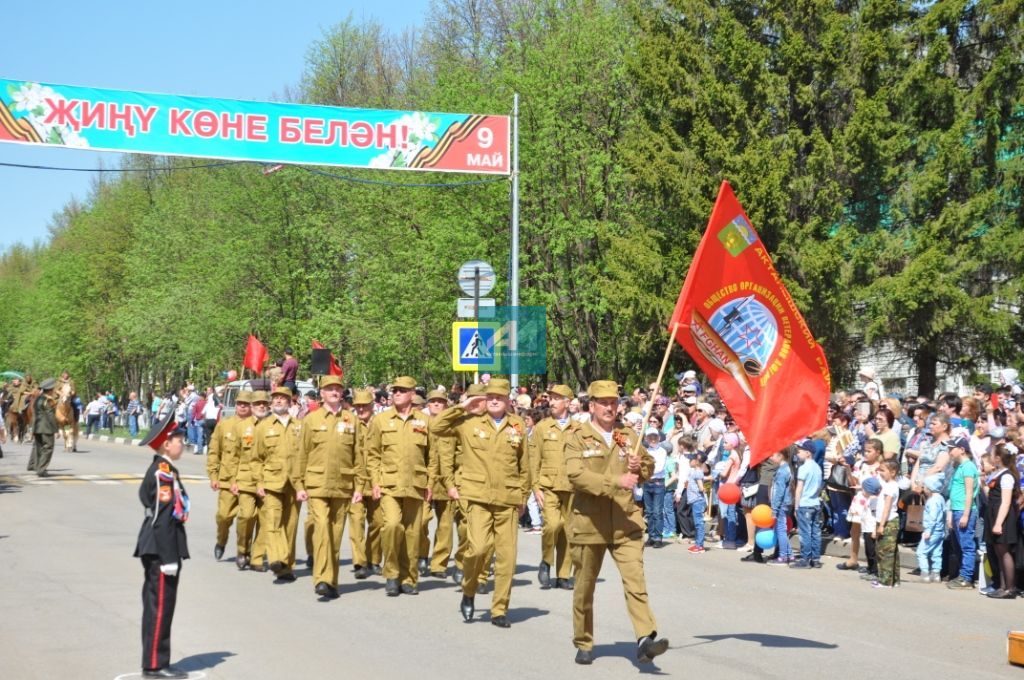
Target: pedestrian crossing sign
476 346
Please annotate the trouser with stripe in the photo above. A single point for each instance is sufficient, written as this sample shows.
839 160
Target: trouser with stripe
159 593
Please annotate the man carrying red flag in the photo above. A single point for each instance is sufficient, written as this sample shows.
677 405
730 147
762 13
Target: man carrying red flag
736 319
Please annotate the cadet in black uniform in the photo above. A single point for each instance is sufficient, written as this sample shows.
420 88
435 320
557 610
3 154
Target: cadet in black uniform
161 546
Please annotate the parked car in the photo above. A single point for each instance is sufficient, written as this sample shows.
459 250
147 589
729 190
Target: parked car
232 389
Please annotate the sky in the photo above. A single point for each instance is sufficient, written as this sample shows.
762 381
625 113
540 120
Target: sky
232 50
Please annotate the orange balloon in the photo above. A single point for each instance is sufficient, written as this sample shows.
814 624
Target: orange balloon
729 494
762 516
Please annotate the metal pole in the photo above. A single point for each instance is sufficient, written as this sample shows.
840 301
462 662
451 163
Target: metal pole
476 315
514 273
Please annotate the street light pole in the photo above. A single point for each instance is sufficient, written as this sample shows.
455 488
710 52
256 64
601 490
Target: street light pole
514 273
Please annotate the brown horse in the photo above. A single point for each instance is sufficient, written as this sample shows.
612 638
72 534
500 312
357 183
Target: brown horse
19 423
66 419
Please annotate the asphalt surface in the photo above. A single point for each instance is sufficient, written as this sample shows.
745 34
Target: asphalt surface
70 594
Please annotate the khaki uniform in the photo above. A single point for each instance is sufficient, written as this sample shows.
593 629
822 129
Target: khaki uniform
493 481
277 444
605 518
547 474
248 501
399 458
365 540
221 462
449 461
443 508
329 468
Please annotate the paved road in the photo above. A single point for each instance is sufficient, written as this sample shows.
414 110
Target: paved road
70 593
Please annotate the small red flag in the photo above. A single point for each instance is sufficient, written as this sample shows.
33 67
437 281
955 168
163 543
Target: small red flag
335 369
255 355
740 324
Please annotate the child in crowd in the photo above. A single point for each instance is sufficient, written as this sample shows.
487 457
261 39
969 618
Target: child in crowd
807 498
686 447
654 489
695 498
887 527
672 470
929 550
871 487
782 506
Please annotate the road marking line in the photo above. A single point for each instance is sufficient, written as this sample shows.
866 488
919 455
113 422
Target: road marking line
106 481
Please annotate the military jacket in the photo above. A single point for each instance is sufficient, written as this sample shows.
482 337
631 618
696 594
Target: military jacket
602 512
243 441
166 502
44 415
400 454
328 464
277 445
362 429
220 457
494 461
547 455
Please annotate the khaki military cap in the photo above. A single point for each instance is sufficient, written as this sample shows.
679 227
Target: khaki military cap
328 380
437 394
405 382
562 391
498 386
281 391
599 389
260 395
476 390
244 397
417 400
362 397
48 384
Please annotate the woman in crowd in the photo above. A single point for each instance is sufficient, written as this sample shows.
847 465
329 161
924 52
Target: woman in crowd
934 453
838 474
1002 528
885 433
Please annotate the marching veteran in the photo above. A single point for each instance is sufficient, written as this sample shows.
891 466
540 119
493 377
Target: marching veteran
399 458
604 466
328 473
278 438
552 489
493 483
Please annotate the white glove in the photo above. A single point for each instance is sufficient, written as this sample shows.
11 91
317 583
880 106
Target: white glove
169 569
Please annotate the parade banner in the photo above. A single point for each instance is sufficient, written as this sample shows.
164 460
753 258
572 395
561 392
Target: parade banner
267 132
739 323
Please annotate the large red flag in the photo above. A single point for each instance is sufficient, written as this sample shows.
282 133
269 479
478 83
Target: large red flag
335 369
255 355
740 324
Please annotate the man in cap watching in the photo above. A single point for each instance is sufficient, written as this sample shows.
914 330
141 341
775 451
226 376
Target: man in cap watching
552 489
493 483
221 463
399 460
604 465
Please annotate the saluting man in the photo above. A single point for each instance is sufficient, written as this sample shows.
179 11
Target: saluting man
221 463
399 460
328 474
278 438
161 546
440 506
552 489
44 428
494 481
603 470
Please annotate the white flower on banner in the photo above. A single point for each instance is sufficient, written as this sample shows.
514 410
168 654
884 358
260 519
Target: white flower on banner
421 128
73 139
31 97
383 160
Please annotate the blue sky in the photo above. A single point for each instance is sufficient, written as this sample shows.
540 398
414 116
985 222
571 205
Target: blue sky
251 50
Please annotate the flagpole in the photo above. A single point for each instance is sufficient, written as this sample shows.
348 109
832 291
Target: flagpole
657 388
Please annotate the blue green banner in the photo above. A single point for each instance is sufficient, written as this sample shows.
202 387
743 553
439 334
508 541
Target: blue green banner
139 122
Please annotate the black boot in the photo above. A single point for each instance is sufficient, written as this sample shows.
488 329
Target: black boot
544 575
649 647
467 608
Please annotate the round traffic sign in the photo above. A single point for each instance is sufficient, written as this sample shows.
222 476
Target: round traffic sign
468 274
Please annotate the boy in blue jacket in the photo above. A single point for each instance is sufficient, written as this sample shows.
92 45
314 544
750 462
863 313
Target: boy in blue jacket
782 506
929 550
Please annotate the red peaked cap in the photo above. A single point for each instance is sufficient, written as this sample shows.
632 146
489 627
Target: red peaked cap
163 430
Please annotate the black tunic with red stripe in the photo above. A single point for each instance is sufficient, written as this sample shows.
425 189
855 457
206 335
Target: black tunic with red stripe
161 544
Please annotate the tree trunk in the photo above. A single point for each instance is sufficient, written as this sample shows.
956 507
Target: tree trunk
926 362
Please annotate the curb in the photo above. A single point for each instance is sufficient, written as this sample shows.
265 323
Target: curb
111 440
